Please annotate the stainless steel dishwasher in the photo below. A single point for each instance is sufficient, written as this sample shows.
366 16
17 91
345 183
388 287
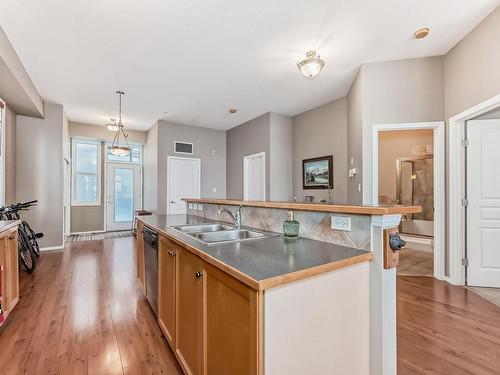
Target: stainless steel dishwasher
151 267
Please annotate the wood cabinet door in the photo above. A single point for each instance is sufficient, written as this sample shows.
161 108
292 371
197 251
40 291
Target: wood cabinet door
232 334
189 314
139 248
166 288
12 269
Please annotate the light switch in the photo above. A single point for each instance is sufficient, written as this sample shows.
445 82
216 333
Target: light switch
341 223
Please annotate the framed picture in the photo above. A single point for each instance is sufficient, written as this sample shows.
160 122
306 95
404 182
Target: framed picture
317 173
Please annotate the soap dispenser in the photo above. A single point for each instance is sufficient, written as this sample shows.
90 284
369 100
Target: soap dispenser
291 226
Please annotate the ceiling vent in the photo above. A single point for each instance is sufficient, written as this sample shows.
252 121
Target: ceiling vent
183 148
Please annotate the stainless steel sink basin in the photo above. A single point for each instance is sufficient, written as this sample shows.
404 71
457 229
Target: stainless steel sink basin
229 235
203 228
219 233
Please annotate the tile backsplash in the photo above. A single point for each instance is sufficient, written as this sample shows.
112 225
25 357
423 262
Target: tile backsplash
313 225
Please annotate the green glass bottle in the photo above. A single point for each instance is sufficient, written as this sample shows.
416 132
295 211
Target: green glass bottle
291 226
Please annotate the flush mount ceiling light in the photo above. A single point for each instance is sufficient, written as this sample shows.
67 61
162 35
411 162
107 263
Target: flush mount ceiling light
311 66
232 110
421 33
115 148
112 125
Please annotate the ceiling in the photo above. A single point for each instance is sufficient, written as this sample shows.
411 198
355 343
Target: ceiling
195 59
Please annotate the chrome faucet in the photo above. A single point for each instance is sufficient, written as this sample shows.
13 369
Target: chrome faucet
236 218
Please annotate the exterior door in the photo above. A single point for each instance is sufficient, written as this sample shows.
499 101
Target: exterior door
483 211
254 177
123 193
184 181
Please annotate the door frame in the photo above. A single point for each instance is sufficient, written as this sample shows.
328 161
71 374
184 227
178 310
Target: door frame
245 159
169 158
456 182
105 179
439 183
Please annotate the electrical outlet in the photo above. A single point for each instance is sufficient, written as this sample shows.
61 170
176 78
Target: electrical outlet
214 190
200 207
190 206
341 223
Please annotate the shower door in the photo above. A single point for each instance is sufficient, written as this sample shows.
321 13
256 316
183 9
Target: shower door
415 187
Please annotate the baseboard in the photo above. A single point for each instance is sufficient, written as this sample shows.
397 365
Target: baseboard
51 248
419 243
89 232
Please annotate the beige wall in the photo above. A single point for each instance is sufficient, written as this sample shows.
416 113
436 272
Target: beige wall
10 155
209 146
101 133
354 139
91 218
319 132
248 138
394 145
472 72
280 157
150 169
400 91
16 87
39 171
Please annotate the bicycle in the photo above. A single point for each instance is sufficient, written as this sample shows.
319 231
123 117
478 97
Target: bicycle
29 249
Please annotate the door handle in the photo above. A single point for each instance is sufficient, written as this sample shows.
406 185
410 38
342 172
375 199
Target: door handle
172 202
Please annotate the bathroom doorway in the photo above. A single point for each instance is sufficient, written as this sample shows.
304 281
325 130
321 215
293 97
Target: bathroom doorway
409 170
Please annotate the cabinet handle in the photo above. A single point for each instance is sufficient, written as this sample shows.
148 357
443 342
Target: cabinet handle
11 237
199 274
172 253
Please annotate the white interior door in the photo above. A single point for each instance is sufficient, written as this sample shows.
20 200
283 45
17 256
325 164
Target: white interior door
254 177
123 194
483 211
184 181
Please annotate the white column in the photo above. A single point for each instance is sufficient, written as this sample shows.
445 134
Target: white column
383 352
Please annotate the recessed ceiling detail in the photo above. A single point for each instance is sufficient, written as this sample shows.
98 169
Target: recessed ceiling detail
197 56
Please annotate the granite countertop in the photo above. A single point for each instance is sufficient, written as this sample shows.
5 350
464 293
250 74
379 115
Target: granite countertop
262 263
8 224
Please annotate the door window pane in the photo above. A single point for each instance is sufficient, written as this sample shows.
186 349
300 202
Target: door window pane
124 194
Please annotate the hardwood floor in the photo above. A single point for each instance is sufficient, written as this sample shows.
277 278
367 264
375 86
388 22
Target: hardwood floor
82 313
445 329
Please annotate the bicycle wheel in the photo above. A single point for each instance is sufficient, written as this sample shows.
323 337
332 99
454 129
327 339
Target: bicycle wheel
32 237
26 252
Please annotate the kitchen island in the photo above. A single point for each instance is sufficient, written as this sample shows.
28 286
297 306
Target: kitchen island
254 307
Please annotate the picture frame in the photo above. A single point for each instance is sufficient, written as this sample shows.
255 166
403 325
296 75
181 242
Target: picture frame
317 173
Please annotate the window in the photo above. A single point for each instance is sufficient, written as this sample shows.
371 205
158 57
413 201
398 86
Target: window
134 156
86 173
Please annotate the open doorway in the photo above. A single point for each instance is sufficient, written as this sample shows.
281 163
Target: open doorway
406 171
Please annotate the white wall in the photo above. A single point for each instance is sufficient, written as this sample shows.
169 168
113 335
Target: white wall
39 172
354 139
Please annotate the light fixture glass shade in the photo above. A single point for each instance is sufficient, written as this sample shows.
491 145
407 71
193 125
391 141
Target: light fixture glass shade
311 66
112 126
119 150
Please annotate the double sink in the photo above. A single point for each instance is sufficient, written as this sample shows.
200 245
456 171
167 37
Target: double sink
220 233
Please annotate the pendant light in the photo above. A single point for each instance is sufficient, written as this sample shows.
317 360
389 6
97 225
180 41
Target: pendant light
311 66
117 149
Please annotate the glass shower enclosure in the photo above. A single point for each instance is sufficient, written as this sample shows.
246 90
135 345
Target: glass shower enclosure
415 186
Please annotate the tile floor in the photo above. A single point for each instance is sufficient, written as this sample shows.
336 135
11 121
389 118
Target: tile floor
415 263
